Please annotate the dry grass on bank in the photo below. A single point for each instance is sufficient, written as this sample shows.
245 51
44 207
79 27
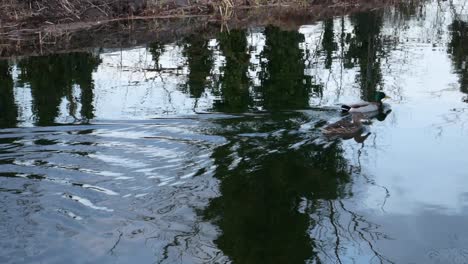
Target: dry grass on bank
67 11
38 27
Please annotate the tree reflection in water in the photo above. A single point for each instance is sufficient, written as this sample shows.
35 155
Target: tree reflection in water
458 48
365 46
233 86
200 63
53 77
281 191
8 108
283 82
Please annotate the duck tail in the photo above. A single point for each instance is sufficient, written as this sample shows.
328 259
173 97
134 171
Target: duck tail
345 108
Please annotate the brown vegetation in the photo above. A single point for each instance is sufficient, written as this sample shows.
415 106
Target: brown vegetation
46 12
29 27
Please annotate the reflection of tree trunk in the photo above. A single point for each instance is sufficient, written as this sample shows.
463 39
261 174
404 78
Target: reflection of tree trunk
83 76
53 77
365 46
87 95
369 86
72 105
8 108
156 49
342 59
234 81
45 76
284 84
328 42
199 63
458 48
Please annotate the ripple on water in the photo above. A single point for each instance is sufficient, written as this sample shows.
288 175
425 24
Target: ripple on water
112 182
86 202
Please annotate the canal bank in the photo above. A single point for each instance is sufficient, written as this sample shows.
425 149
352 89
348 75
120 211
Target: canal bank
41 32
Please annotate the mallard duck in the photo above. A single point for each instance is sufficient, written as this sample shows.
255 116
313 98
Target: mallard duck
365 107
345 126
348 128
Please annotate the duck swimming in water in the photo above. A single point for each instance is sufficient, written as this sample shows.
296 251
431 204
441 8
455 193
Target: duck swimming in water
365 107
347 126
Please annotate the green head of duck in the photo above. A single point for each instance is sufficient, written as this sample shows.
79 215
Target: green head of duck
379 96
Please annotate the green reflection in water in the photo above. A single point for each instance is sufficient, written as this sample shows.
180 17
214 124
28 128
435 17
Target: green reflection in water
200 63
234 83
53 77
265 182
365 46
458 48
8 108
156 49
283 82
328 42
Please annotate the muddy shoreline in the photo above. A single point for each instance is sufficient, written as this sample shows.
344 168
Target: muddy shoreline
119 33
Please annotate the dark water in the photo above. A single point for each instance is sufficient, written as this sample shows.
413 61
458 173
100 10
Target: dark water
210 151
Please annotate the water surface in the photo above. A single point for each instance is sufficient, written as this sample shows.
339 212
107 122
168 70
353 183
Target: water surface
210 150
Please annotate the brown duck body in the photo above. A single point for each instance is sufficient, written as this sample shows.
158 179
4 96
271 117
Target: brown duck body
345 126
